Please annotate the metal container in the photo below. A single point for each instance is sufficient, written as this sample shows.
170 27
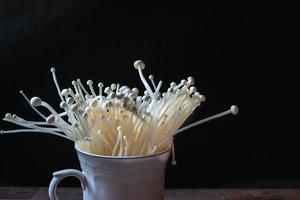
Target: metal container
117 178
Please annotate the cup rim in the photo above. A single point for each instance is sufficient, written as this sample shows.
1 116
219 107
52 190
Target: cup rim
115 157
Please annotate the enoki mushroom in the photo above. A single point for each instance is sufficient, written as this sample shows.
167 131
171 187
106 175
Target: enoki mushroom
117 120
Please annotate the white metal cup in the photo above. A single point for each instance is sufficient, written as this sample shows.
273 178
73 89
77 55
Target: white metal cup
117 178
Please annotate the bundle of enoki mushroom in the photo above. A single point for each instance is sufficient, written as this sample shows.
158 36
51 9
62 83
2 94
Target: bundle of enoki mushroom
118 121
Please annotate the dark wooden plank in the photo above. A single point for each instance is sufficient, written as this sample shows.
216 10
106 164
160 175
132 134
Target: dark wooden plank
17 192
35 193
62 193
195 194
264 194
233 194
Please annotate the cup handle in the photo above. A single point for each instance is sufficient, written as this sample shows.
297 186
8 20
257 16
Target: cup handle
59 175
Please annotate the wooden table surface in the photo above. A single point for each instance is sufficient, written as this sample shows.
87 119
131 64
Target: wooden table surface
41 193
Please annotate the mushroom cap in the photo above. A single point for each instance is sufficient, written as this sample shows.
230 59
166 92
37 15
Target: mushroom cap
139 64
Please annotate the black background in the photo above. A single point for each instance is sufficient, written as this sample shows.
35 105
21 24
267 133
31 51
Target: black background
236 51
